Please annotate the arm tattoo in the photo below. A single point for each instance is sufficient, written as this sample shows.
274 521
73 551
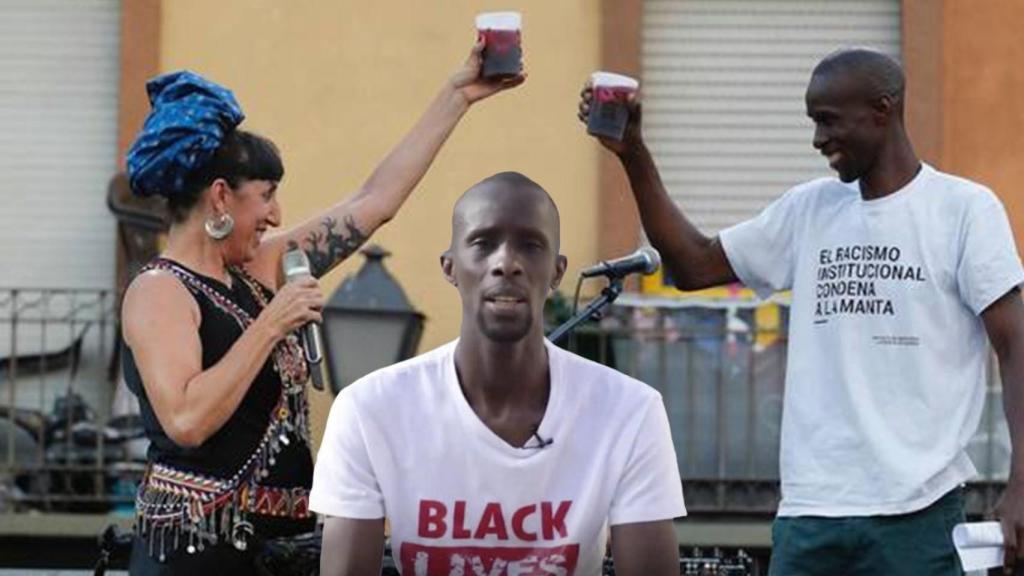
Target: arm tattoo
329 247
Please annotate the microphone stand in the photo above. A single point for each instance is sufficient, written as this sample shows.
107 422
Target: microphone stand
608 295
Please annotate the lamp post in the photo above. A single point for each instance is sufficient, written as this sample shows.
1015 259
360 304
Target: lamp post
369 323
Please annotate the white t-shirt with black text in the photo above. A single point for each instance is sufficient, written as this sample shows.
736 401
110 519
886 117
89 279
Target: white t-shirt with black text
885 379
404 443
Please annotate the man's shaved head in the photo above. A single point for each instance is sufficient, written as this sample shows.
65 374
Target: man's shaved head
504 258
503 186
855 99
875 73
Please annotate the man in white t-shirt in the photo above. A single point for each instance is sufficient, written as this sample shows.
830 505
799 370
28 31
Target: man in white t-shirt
499 453
898 272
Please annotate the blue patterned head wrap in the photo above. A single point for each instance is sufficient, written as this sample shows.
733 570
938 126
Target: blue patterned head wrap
189 118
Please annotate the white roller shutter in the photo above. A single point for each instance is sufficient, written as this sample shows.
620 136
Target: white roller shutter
724 82
59 68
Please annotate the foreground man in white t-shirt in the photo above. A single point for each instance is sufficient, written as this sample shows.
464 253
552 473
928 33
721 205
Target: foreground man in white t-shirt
897 272
499 453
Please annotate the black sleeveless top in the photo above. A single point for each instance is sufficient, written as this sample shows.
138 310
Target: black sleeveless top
226 451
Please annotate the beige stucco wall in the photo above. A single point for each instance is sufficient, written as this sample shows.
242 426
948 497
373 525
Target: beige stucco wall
336 84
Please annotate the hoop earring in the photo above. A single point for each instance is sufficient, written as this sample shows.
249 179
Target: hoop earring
218 228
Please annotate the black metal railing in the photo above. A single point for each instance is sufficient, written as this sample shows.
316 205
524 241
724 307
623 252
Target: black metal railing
720 367
63 444
66 446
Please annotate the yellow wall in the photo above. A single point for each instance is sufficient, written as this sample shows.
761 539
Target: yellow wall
336 84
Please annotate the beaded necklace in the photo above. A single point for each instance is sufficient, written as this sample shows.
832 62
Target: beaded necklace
175 504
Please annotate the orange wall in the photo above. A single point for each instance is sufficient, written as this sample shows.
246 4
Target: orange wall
983 104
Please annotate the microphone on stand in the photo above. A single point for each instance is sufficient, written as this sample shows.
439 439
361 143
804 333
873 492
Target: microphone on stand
295 266
644 261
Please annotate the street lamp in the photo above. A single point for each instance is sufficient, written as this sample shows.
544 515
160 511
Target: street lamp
368 322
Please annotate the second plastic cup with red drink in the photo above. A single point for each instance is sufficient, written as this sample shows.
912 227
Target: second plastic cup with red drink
609 112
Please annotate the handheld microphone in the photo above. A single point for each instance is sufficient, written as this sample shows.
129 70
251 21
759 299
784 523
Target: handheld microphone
645 261
295 266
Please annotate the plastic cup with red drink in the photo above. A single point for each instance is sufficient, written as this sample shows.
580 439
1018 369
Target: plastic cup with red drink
503 51
608 107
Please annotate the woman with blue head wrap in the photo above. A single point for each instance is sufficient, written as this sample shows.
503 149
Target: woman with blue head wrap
210 325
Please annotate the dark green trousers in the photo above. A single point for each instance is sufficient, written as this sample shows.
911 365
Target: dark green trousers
915 544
